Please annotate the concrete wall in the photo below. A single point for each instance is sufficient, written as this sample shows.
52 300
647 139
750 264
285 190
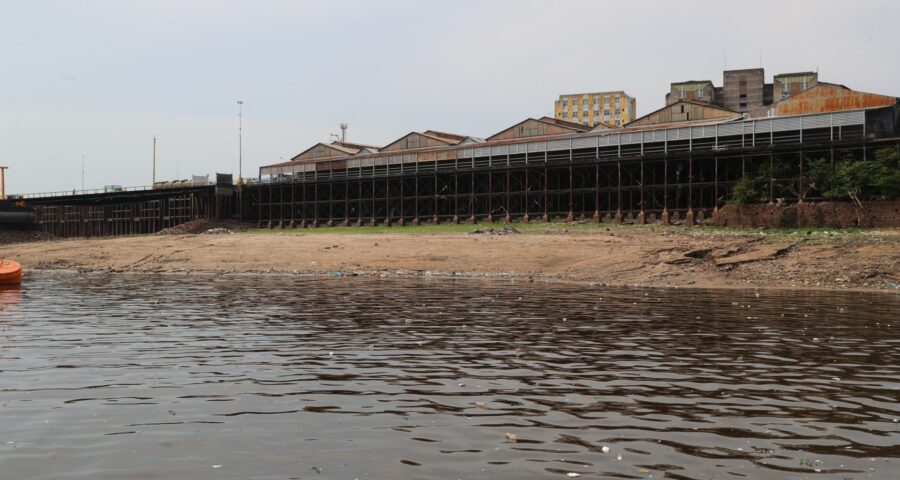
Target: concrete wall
822 214
743 90
794 82
705 88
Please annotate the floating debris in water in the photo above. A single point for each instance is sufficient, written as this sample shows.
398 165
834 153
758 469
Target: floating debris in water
573 475
511 438
604 449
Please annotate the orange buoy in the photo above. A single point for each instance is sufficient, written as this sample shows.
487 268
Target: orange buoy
10 272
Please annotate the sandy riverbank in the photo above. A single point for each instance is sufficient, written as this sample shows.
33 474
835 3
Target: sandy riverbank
616 255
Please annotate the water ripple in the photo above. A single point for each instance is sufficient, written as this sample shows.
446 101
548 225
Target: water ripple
278 377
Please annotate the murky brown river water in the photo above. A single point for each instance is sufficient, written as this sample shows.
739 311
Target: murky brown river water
140 377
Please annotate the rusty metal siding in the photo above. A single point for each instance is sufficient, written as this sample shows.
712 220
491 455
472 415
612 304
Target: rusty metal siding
414 140
824 98
531 128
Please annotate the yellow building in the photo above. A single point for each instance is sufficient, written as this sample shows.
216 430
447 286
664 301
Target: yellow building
611 108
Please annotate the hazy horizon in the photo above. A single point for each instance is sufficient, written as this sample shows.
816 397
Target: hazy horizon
101 78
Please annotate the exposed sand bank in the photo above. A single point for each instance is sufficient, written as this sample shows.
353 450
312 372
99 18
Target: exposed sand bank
616 255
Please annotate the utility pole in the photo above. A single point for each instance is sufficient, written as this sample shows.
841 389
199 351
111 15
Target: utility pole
240 140
3 183
154 162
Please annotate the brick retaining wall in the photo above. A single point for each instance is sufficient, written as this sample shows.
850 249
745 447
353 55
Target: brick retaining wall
821 214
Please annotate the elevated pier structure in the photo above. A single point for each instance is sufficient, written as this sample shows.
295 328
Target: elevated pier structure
679 173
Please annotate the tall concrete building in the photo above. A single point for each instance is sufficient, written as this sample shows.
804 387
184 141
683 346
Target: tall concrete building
591 109
742 91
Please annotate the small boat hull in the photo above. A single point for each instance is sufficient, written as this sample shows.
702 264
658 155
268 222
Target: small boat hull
10 272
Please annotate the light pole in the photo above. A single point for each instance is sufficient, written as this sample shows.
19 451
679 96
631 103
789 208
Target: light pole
82 172
154 162
240 140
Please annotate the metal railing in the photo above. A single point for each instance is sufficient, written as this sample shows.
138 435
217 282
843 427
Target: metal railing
91 191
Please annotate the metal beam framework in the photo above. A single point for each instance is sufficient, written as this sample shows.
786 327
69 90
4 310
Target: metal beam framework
684 181
137 216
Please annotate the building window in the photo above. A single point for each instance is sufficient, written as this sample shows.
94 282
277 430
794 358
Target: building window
698 93
681 93
606 112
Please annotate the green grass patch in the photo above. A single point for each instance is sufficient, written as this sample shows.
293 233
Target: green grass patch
527 228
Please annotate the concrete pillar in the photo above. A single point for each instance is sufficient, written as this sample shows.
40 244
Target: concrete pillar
596 218
640 218
664 218
526 219
689 218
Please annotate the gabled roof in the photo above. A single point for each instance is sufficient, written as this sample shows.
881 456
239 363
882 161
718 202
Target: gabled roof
445 135
413 140
469 140
564 123
715 110
357 146
324 150
822 98
600 127
686 123
536 127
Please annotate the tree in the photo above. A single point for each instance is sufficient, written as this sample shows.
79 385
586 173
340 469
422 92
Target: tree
744 191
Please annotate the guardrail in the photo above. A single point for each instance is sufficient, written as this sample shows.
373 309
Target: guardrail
117 189
75 192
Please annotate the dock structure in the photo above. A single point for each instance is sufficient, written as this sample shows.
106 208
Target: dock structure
132 212
663 173
680 163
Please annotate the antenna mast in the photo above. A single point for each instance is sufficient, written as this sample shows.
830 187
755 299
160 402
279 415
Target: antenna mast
344 126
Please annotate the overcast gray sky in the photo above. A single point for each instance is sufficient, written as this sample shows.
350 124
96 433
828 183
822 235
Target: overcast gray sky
100 78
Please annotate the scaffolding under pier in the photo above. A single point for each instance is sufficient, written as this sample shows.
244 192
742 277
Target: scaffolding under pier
664 174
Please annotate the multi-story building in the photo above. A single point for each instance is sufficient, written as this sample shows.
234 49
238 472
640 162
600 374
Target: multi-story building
591 109
742 91
788 84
